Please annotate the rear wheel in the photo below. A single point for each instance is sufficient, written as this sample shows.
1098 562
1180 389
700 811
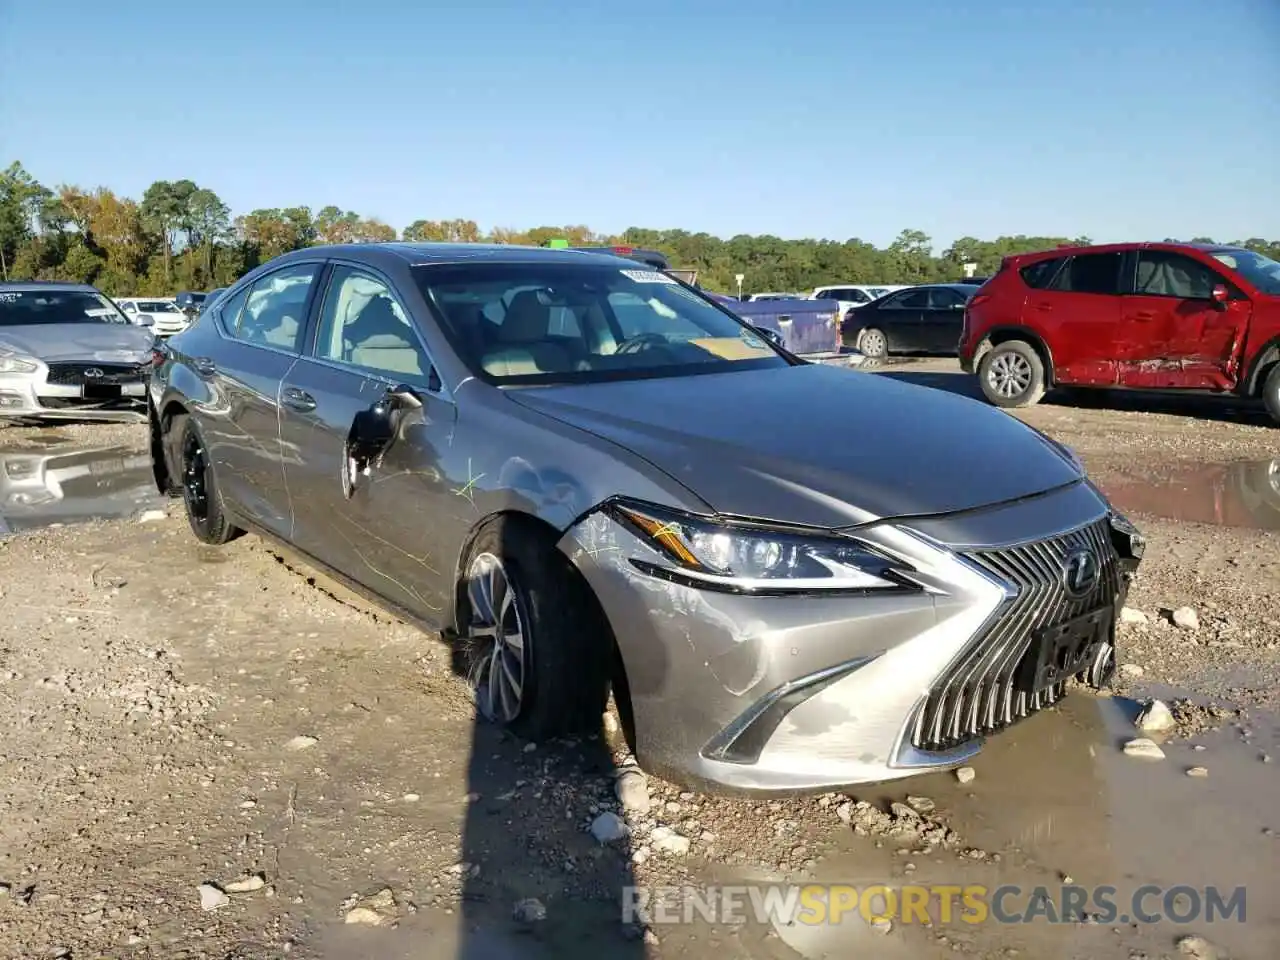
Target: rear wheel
1271 393
536 649
200 494
1012 374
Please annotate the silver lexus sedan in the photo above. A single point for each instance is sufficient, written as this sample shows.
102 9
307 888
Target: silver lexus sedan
594 479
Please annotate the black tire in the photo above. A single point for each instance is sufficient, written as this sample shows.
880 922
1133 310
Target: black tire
1271 393
566 651
200 496
873 344
1011 374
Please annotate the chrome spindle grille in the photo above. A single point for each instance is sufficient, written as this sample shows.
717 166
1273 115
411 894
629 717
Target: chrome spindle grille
978 693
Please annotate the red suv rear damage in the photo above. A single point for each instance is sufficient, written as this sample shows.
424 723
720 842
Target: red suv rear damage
1138 315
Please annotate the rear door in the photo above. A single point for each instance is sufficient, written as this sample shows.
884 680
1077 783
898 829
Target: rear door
1172 331
901 317
378 526
1078 315
262 326
943 320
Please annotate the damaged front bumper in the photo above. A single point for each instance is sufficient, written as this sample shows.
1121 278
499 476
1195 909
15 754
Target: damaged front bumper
784 693
34 397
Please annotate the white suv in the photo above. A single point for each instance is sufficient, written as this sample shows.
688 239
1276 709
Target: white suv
852 295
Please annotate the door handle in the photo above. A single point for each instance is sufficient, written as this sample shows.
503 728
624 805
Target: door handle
299 400
1144 316
203 366
1043 307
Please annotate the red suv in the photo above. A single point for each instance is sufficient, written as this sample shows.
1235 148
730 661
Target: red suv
1153 316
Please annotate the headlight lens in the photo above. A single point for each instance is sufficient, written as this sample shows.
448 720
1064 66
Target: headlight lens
749 558
12 364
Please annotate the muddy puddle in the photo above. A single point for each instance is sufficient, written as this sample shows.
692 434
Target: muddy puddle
44 484
1242 494
1057 806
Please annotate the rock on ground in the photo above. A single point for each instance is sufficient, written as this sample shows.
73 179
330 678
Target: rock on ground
1143 748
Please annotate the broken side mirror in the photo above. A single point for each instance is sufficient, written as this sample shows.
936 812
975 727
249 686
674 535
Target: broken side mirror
373 429
1219 295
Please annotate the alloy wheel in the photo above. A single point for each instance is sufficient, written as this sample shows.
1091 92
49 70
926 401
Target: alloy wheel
1009 375
195 477
497 629
873 344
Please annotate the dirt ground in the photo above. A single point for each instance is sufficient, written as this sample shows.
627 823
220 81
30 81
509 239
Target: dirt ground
173 715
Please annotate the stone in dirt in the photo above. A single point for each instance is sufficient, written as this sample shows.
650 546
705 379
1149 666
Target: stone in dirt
921 804
632 788
1130 615
666 840
246 884
377 910
966 774
1198 948
1199 772
1143 748
301 743
529 910
608 828
151 516
211 897
1185 618
1156 717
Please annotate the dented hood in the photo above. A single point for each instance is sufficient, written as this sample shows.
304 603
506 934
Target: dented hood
815 445
96 342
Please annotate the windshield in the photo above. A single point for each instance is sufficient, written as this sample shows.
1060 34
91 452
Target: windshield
571 323
23 307
1262 272
158 306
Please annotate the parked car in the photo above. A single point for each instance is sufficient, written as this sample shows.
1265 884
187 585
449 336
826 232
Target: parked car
850 295
67 352
925 319
657 502
1169 316
190 302
161 314
763 297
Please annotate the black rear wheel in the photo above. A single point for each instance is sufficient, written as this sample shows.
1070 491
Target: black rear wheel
1271 393
200 487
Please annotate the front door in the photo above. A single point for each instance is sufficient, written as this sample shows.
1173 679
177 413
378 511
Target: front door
1079 313
263 323
1174 332
376 523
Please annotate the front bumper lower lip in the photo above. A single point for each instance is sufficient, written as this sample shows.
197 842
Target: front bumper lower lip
24 397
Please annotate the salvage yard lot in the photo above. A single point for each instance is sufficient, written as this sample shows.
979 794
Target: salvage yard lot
173 715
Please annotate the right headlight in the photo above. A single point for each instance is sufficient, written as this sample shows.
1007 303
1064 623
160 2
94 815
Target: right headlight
749 558
10 363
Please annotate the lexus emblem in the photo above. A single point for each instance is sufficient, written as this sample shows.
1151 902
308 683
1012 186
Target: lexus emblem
1080 573
93 373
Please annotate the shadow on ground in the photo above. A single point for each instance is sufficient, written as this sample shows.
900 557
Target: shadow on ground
1197 406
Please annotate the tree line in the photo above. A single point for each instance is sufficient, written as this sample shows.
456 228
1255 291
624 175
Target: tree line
181 236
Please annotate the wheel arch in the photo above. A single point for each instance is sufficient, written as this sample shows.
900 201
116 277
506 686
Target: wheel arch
1263 361
998 335
162 466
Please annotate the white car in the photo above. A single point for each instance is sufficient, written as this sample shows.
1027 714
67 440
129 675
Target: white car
161 314
850 295
757 297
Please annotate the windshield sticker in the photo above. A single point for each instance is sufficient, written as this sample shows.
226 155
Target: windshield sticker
648 276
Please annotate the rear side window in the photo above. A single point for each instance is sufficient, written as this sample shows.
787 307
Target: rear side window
1090 273
1039 275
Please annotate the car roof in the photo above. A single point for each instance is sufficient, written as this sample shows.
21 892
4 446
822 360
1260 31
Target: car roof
1070 250
21 285
418 254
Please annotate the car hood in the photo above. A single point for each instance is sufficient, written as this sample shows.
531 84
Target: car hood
815 445
103 342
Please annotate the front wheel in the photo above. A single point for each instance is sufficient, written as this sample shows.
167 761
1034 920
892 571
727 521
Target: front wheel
873 344
536 649
1011 374
1271 393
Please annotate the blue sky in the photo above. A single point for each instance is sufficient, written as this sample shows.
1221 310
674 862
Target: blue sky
1116 119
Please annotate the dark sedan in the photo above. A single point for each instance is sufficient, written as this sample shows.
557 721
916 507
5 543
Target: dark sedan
925 319
595 479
